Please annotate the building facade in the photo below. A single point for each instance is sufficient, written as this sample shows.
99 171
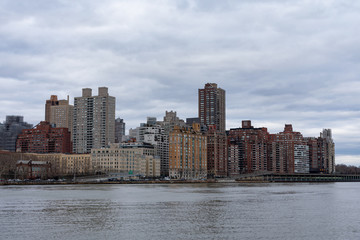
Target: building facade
156 136
9 131
288 152
247 149
255 150
53 101
321 153
301 158
187 153
212 106
61 114
76 164
119 130
94 120
217 153
44 139
28 169
128 158
170 120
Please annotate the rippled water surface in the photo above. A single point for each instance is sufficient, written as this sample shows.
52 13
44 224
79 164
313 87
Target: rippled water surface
196 211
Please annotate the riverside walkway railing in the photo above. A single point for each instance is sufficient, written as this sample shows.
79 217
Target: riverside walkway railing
272 177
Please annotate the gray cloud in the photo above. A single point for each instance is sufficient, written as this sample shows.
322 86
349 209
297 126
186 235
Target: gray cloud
279 61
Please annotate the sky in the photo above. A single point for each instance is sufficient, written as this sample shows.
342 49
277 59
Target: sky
279 61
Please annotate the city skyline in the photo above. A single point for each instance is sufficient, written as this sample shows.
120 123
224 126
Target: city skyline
279 63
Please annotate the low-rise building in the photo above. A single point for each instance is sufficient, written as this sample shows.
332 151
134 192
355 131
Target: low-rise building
44 139
28 169
132 158
77 164
61 165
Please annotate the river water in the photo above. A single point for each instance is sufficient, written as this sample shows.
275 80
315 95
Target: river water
184 211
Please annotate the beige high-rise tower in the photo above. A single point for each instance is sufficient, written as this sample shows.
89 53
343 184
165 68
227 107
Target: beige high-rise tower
53 101
94 120
61 114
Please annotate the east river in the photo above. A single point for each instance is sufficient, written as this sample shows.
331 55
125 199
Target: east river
181 211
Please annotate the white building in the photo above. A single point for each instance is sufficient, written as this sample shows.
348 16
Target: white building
301 158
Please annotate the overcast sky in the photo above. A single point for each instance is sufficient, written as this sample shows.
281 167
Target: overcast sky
279 61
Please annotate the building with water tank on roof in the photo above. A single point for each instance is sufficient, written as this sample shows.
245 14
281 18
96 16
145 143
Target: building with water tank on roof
94 120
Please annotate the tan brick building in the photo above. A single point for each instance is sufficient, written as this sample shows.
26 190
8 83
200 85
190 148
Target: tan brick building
61 114
62 165
132 158
187 153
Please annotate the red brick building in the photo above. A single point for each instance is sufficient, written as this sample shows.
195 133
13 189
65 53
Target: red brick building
216 152
321 152
28 169
256 150
288 152
248 149
212 106
44 139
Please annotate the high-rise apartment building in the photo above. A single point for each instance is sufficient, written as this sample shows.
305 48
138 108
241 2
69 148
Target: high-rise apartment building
153 133
9 131
170 121
327 146
187 153
61 113
53 101
212 106
94 120
134 133
321 152
168 124
255 150
248 149
217 155
119 130
288 152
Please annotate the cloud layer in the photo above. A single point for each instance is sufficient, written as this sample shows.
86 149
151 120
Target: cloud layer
279 61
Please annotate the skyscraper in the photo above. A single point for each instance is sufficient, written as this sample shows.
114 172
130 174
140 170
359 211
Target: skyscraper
53 101
119 130
94 120
61 114
168 124
212 106
322 152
